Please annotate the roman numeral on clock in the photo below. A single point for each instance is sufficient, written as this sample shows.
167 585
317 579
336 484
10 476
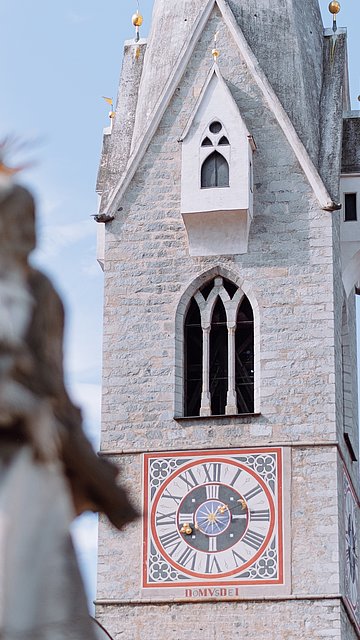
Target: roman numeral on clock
212 543
260 516
238 559
165 518
212 565
252 493
212 491
171 541
253 539
189 479
169 496
186 517
238 472
212 472
188 558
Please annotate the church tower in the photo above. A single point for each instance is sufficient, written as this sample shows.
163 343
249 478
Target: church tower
230 243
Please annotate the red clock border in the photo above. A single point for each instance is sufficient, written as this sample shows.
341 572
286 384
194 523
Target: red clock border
212 456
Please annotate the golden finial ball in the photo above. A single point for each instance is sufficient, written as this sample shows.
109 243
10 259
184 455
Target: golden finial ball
137 19
334 7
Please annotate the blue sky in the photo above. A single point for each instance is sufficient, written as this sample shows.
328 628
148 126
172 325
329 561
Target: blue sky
57 60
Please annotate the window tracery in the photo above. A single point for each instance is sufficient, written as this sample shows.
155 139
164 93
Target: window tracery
215 167
219 351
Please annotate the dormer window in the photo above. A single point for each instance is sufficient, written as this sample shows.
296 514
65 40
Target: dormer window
215 166
216 194
215 171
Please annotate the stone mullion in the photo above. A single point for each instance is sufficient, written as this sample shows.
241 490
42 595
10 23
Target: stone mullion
205 409
231 404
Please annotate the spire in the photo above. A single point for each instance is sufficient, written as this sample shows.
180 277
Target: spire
285 35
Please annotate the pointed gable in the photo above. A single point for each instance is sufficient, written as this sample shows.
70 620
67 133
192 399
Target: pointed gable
215 98
216 175
263 85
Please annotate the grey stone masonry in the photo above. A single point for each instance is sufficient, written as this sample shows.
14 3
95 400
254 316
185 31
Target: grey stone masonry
351 143
286 38
291 274
289 267
294 620
117 140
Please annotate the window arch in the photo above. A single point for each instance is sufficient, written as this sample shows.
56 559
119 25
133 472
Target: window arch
219 351
215 171
215 167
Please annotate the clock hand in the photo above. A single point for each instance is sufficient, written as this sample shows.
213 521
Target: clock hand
187 529
226 507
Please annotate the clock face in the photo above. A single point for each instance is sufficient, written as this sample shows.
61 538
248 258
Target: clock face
351 547
211 517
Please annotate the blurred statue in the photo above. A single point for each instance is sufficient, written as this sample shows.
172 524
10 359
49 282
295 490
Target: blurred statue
48 470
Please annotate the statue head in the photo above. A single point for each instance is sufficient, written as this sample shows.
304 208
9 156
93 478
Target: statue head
17 224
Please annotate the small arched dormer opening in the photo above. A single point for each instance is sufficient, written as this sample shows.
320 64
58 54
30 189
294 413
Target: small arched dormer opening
215 171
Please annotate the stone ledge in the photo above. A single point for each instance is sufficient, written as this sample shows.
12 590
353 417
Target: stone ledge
224 418
148 602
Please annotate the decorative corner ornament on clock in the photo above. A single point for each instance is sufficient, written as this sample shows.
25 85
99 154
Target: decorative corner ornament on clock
213 519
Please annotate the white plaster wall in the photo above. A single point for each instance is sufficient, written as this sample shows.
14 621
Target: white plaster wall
216 105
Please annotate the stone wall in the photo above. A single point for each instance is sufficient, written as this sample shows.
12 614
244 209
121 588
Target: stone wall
294 620
289 267
292 269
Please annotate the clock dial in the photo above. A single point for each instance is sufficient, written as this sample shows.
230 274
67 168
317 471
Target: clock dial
214 516
351 547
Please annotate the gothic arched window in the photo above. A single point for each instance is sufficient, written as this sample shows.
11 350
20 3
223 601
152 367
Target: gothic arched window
215 166
219 351
215 171
193 359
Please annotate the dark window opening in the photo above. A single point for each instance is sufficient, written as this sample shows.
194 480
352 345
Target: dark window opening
350 207
224 141
206 289
215 171
215 127
218 360
230 287
193 360
206 143
244 358
218 355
